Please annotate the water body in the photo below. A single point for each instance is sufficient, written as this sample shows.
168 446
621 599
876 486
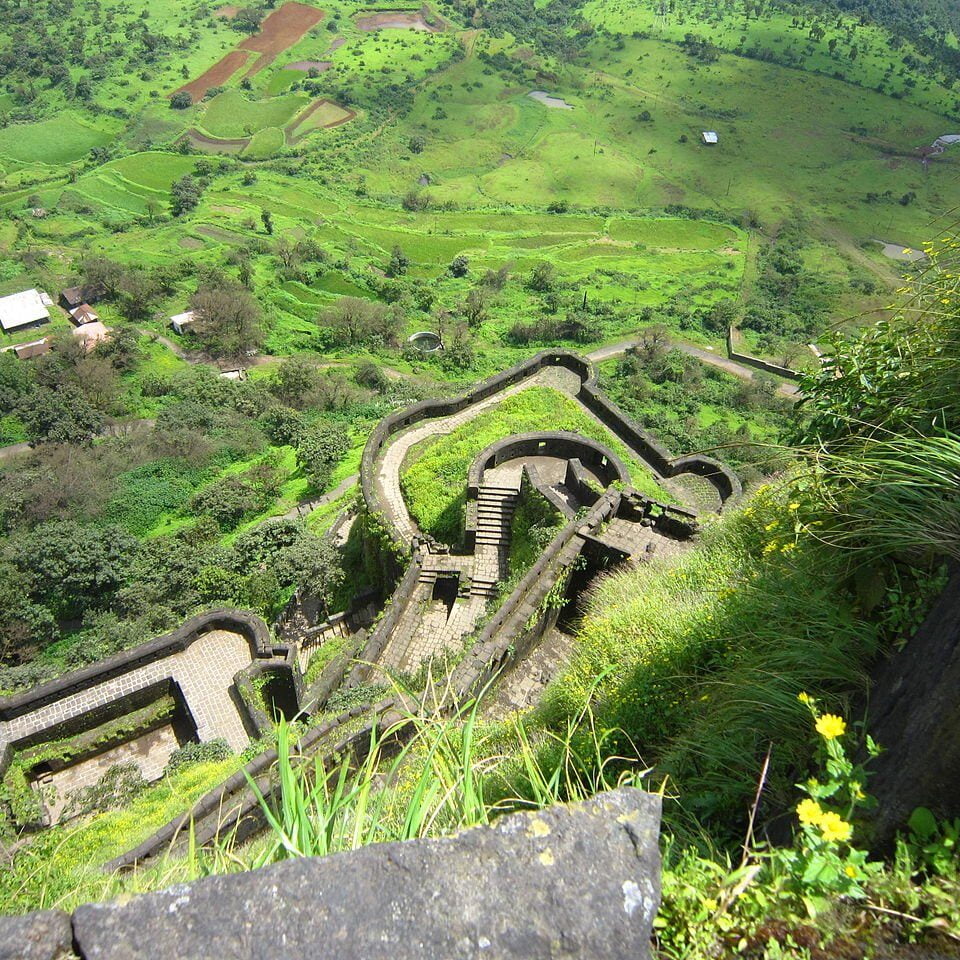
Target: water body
900 251
554 103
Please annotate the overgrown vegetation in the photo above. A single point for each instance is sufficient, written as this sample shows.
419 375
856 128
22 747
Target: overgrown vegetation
433 479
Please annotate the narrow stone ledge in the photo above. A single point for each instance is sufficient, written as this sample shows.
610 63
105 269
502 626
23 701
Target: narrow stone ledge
577 881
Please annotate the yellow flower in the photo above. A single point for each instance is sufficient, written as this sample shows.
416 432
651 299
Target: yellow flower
710 904
834 827
857 791
804 698
850 870
830 726
793 507
808 811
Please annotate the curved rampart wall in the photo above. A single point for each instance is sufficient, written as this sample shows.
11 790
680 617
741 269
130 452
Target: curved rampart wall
658 456
554 443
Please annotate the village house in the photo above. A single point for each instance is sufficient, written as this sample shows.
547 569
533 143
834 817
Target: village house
84 314
710 137
35 348
74 297
181 321
91 334
22 310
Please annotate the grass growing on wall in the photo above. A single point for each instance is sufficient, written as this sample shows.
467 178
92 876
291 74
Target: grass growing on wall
61 867
434 486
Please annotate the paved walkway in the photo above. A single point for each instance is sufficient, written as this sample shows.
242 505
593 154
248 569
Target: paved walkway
308 506
390 464
204 673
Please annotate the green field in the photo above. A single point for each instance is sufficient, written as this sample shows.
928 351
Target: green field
56 141
230 114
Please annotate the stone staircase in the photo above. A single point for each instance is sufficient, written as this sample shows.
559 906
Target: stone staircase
495 508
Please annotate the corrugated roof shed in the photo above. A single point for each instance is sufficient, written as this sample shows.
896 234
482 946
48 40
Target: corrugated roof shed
22 309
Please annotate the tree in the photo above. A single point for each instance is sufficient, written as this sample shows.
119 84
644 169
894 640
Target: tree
184 195
318 568
474 308
354 320
416 144
266 218
459 266
320 449
294 380
542 277
83 89
228 501
399 263
227 319
181 100
59 414
73 566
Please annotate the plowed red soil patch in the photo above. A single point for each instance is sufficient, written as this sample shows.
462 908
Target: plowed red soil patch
228 12
217 75
282 29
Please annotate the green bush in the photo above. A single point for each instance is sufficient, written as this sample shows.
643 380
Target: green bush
192 753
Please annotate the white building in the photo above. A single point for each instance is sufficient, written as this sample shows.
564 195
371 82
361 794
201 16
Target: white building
710 136
182 321
24 309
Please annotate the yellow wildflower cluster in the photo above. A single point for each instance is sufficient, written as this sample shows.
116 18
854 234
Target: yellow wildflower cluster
833 828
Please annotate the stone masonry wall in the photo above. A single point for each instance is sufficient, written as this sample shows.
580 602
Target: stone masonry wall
203 657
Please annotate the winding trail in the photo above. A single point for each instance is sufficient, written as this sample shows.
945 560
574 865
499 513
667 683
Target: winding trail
308 506
698 353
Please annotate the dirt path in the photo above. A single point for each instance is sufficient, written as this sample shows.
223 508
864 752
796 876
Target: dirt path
308 506
699 353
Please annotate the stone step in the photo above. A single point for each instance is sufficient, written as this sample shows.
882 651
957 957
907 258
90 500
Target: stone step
497 516
483 589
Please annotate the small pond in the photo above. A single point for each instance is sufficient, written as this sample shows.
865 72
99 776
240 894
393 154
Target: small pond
554 103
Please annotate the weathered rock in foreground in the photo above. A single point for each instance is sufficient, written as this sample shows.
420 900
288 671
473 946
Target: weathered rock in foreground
45 935
570 881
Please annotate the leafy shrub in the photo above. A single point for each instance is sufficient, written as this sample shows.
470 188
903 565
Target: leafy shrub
192 753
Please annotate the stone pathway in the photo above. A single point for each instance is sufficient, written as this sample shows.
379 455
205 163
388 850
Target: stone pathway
523 686
204 673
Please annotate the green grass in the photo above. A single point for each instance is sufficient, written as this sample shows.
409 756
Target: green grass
703 659
230 114
55 141
152 169
264 143
61 868
434 483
